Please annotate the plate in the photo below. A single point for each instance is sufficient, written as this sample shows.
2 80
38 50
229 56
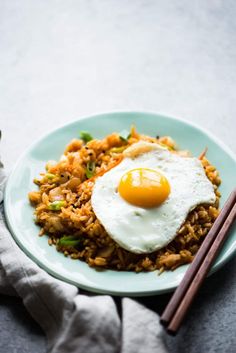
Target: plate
19 213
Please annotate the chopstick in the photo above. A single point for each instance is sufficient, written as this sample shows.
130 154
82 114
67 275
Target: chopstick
201 274
193 268
181 300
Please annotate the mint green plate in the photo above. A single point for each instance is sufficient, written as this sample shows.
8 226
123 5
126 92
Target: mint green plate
19 213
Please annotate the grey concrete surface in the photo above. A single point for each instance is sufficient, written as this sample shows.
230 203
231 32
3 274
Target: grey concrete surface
60 60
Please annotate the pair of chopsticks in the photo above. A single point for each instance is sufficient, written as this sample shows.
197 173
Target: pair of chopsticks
184 295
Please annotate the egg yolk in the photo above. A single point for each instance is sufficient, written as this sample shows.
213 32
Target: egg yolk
144 187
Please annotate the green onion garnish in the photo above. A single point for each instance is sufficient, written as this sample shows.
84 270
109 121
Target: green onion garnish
117 149
166 146
37 181
124 135
69 241
85 136
90 169
56 205
50 176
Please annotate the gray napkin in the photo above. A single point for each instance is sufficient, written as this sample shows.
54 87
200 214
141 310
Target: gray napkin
74 322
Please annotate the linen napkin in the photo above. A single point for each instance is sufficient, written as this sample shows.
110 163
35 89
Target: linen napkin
72 321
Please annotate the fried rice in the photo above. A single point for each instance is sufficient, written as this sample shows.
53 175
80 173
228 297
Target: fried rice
64 213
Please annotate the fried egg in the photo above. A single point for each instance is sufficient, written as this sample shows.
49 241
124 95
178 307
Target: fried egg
143 201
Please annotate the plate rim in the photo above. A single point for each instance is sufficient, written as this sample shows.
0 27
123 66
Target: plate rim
205 131
98 288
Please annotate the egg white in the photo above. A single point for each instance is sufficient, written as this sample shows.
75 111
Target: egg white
144 230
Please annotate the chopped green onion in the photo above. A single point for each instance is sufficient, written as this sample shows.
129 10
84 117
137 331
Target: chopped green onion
117 149
138 214
124 135
56 205
166 146
85 136
90 169
37 181
50 176
69 240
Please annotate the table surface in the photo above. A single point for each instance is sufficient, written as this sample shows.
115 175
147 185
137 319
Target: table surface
64 59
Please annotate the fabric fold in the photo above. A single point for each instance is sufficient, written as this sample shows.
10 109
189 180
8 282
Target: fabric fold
140 329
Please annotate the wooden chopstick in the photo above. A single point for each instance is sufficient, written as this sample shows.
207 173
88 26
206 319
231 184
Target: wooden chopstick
193 268
201 274
180 293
